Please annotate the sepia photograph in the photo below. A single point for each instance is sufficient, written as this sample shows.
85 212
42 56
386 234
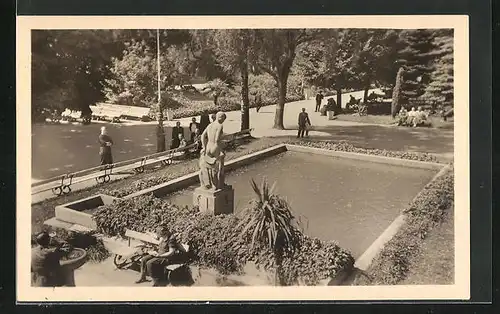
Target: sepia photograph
174 160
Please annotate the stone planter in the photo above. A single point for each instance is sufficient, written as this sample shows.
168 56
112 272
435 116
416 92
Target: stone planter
80 211
70 265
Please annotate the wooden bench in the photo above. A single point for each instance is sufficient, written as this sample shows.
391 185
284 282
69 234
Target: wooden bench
134 252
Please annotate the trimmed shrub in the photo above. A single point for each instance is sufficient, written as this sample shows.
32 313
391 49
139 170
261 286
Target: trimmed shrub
344 146
427 210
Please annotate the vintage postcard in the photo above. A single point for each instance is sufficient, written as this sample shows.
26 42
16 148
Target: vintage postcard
242 158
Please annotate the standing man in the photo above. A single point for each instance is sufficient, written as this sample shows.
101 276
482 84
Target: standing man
193 126
176 130
303 122
319 99
258 102
105 143
213 117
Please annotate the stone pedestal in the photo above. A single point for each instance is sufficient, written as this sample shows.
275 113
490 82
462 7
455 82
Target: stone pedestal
217 202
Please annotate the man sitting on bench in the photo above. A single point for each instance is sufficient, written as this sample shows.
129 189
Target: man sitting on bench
168 248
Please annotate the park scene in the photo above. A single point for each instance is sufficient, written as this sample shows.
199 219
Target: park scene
242 157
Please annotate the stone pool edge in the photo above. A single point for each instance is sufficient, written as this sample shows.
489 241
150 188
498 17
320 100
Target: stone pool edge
366 259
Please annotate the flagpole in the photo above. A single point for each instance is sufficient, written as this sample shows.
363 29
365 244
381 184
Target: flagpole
160 133
158 60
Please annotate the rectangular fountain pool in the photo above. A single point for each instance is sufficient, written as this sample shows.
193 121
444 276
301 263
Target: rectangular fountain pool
346 200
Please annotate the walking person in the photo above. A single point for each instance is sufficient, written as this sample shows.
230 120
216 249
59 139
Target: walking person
258 102
176 130
319 99
303 122
105 142
193 126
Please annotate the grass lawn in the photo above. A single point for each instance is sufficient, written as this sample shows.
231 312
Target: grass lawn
435 263
437 122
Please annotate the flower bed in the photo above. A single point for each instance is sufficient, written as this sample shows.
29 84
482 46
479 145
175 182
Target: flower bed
344 146
427 210
217 241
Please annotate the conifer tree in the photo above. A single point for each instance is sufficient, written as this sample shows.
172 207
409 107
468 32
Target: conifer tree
417 60
439 92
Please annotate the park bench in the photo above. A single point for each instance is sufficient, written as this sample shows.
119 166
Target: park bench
63 184
138 244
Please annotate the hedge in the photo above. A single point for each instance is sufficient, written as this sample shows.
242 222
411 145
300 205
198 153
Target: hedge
427 210
217 242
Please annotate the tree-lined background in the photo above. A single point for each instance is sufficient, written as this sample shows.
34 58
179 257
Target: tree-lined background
75 69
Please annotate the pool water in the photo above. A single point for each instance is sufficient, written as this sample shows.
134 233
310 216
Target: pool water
349 201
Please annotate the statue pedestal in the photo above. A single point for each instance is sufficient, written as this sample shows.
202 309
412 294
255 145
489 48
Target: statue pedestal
217 202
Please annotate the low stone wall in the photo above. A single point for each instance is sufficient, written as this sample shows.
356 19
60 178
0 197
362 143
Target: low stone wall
74 212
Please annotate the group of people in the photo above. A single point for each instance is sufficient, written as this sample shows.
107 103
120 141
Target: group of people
413 117
178 138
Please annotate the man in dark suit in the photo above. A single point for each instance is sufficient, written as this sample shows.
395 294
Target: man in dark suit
303 122
319 99
193 126
176 130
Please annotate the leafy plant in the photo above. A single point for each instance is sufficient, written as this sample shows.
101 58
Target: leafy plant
269 222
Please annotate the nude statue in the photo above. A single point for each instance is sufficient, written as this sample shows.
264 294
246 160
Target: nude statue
212 154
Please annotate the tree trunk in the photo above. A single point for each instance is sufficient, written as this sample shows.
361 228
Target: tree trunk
339 100
280 106
245 101
365 94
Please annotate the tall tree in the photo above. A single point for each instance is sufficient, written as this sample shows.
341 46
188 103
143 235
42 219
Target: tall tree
69 68
439 92
330 61
417 60
396 93
375 57
233 50
274 53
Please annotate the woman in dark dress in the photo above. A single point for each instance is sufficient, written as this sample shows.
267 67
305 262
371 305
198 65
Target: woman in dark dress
105 142
204 121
